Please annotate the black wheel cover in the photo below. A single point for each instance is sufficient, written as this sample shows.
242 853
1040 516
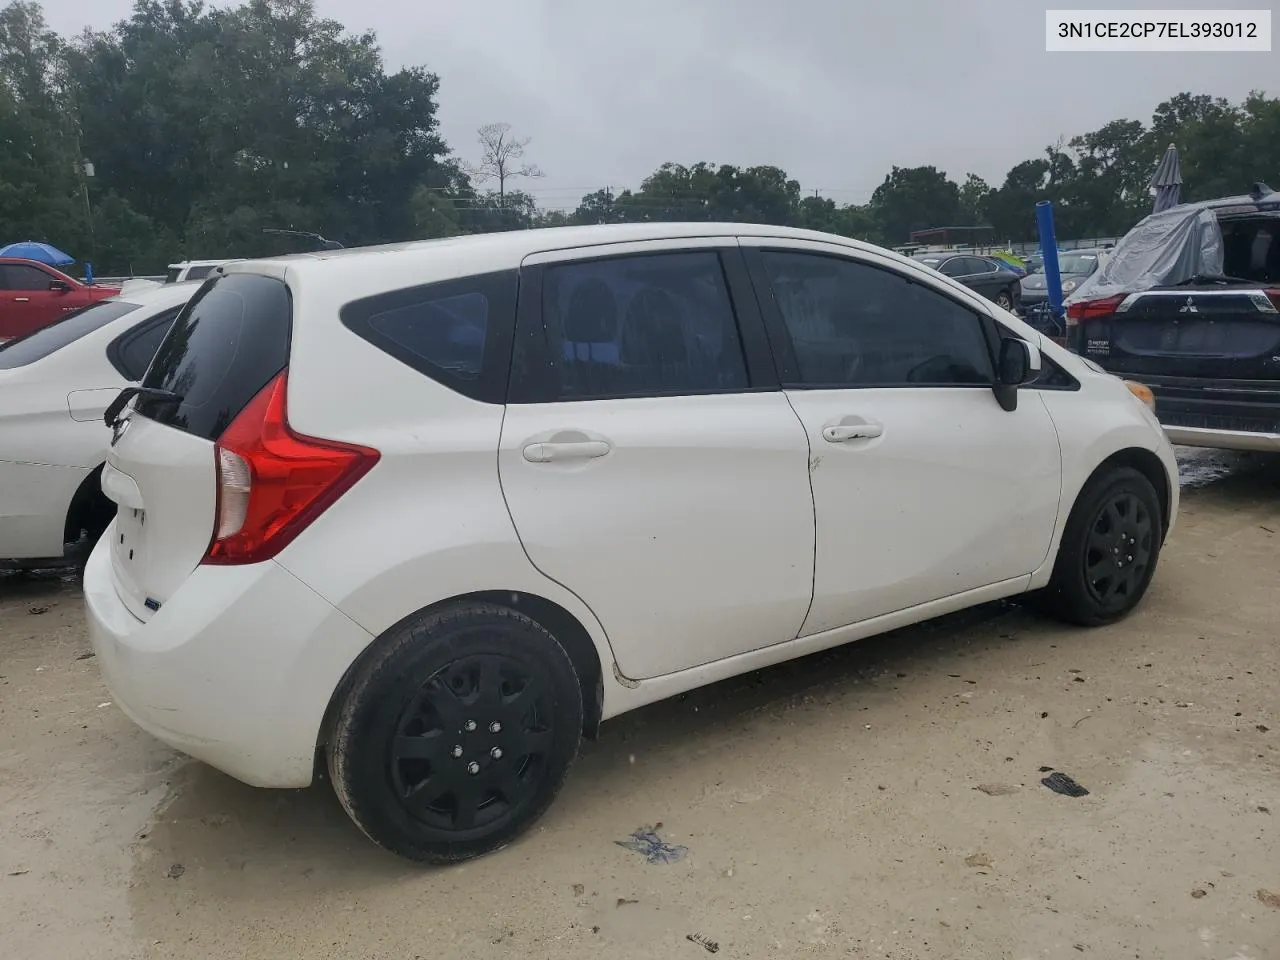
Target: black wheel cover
468 750
1118 550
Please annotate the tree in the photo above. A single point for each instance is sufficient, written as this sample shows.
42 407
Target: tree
40 170
973 199
218 123
501 156
915 198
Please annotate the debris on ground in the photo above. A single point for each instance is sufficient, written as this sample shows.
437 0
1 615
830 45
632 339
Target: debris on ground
997 789
36 611
978 860
1199 894
1046 769
579 889
1061 783
710 945
19 873
175 871
1269 898
623 902
86 656
654 849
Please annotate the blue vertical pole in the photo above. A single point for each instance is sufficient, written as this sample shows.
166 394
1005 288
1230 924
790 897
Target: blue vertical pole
88 273
1049 248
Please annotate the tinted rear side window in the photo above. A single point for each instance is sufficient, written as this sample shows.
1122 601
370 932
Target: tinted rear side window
457 332
39 344
131 353
225 346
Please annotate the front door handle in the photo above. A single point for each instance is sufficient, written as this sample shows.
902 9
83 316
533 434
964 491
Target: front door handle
21 299
840 432
565 450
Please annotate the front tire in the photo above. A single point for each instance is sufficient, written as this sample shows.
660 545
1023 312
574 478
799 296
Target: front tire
1004 300
457 733
1109 550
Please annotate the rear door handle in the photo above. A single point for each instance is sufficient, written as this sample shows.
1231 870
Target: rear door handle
565 450
840 432
21 299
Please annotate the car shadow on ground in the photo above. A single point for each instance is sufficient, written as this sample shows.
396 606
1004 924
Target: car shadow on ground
213 821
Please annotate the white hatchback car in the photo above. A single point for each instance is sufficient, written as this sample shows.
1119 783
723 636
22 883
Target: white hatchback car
55 384
437 509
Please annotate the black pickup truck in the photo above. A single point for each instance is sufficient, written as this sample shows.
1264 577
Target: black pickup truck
1189 304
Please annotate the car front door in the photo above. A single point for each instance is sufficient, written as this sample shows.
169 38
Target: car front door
924 487
649 459
30 303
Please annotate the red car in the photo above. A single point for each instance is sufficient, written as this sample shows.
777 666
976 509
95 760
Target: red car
33 295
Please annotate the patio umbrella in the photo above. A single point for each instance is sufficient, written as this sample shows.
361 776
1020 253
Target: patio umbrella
43 252
1166 182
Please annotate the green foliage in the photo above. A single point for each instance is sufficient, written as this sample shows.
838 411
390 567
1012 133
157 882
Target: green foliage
207 125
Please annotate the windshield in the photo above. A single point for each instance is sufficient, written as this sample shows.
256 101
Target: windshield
1084 263
40 343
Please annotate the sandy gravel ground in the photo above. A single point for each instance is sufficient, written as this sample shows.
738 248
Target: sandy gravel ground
882 800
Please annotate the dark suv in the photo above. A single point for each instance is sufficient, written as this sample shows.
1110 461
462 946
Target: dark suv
1189 304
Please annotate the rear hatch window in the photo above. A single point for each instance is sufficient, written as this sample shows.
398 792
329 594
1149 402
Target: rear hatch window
63 331
228 343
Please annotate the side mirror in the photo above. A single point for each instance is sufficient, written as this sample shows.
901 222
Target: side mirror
59 286
1018 363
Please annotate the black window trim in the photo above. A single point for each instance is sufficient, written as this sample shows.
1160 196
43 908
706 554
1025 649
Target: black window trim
501 288
540 385
780 337
117 347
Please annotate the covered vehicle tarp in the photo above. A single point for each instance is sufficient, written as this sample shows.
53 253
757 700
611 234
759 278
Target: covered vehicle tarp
1164 249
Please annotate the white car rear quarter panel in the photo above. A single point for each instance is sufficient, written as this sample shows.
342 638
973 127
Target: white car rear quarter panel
429 522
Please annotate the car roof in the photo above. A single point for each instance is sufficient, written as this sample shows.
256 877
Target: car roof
199 263
507 250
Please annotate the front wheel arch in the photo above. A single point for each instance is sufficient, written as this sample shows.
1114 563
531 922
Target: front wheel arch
1151 467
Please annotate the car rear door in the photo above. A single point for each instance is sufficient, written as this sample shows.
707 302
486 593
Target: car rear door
650 462
227 344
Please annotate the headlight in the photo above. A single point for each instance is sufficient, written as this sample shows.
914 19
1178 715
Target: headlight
1143 393
1069 285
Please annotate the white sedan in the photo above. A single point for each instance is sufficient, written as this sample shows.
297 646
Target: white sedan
54 386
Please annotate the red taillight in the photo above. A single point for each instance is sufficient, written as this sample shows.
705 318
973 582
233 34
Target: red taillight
273 482
1092 309
1274 297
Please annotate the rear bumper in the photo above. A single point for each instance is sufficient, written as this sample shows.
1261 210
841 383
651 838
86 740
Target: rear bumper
1226 414
237 669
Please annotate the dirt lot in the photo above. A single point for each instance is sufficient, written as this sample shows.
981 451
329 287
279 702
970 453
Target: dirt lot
883 800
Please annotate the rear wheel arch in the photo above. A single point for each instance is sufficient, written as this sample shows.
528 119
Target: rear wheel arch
89 510
567 630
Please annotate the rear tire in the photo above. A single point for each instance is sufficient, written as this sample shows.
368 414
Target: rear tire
1109 550
1004 300
457 734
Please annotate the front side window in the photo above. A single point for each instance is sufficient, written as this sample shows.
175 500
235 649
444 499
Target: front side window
652 324
855 325
19 276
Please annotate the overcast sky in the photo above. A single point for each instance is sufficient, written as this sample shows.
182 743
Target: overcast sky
833 91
